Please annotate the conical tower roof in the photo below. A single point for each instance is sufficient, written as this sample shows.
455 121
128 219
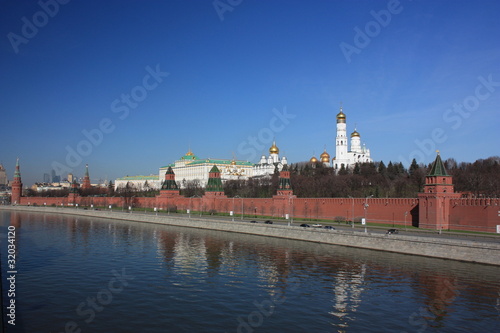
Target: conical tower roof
438 168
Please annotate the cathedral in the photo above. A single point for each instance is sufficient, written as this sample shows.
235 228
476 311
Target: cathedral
343 156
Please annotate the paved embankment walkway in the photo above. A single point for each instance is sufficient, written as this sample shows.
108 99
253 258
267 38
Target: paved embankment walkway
463 250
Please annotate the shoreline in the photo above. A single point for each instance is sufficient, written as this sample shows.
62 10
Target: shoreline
460 250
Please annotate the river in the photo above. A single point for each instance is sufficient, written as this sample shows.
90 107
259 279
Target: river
79 274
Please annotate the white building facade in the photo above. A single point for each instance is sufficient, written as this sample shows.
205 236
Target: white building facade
190 168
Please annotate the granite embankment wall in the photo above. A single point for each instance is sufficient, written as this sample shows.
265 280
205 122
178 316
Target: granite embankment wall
470 251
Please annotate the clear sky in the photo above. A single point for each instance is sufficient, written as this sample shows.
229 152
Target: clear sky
129 86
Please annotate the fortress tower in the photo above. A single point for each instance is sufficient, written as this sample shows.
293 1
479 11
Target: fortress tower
434 203
17 186
86 179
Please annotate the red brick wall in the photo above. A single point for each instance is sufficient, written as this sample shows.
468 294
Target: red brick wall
464 214
475 214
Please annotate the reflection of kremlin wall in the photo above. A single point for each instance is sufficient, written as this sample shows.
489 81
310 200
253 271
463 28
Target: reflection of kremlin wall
437 208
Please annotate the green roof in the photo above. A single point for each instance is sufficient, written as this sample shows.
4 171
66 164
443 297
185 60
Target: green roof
151 177
438 168
198 161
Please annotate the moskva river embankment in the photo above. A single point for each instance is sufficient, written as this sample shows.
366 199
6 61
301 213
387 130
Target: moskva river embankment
454 249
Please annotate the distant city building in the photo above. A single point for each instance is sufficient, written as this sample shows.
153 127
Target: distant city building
46 178
3 176
55 178
41 187
141 183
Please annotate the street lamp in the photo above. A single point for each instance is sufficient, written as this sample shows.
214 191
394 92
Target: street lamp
366 205
237 196
352 211
406 213
190 204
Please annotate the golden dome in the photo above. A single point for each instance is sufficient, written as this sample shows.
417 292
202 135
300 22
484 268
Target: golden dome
313 159
325 157
189 153
274 149
355 133
233 162
341 117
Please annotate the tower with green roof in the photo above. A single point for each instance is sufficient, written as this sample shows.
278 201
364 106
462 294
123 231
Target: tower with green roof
169 187
17 186
86 179
434 203
214 185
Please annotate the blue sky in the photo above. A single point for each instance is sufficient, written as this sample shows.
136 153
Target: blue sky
231 78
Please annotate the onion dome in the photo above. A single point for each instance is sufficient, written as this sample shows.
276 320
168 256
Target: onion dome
355 133
341 116
325 157
313 159
274 149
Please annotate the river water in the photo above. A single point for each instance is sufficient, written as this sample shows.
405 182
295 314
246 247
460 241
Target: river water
77 274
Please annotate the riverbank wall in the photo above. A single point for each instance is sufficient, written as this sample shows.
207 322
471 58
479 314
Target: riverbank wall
462 250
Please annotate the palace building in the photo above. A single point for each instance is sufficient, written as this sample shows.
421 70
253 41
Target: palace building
191 168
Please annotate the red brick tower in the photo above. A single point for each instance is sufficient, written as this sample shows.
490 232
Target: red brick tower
285 186
73 193
17 186
434 203
86 179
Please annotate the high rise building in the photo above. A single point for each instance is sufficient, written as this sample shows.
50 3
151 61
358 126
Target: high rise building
3 176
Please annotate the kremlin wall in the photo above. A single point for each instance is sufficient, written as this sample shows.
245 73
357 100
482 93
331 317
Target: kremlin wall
437 208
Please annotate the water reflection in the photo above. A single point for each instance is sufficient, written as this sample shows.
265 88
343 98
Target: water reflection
235 277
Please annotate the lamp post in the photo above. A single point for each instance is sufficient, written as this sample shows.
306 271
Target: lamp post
366 205
190 204
290 210
352 211
406 213
237 196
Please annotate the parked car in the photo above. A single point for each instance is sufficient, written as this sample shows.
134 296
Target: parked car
253 221
329 227
268 222
317 225
305 225
392 231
